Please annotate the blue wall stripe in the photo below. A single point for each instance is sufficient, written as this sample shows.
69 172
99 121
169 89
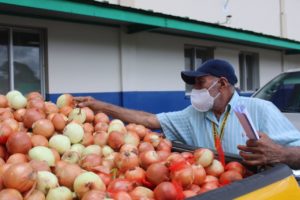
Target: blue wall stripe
154 102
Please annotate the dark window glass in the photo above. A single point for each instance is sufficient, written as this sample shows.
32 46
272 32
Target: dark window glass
283 91
4 61
26 56
194 57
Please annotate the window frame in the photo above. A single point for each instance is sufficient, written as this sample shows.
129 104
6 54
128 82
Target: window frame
42 53
209 54
243 69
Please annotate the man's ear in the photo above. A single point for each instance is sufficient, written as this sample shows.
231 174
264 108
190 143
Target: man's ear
224 82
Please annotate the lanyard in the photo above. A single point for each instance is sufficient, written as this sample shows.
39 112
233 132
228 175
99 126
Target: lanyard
218 138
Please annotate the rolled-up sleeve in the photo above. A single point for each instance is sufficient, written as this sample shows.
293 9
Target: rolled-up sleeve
175 125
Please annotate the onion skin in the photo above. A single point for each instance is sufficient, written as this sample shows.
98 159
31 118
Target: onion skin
59 193
184 176
43 127
34 95
199 174
126 160
115 139
229 177
39 165
120 184
141 192
67 175
35 195
94 195
90 161
157 173
89 114
17 158
50 108
101 117
36 103
5 132
121 196
236 166
32 115
88 181
165 191
19 114
59 121
18 142
39 140
145 146
10 194
26 177
3 101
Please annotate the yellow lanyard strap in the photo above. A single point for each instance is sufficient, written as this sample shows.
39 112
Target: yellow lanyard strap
218 138
215 132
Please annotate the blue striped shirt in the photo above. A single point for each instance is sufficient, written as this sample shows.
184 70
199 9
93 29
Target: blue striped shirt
195 128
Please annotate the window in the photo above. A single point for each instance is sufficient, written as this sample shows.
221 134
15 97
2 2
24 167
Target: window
249 71
195 56
283 91
21 60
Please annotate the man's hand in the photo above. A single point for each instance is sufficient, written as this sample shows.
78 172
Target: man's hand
90 102
261 152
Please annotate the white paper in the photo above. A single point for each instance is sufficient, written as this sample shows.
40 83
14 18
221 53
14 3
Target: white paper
246 122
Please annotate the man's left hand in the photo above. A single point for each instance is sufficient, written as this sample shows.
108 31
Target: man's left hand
261 152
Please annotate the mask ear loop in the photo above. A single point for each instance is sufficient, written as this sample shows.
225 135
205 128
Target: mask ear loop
212 87
213 84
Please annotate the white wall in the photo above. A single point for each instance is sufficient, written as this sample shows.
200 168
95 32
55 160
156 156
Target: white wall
254 15
292 19
81 58
292 62
269 65
159 60
89 58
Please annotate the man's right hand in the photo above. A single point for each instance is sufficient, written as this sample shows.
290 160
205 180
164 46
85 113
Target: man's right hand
88 101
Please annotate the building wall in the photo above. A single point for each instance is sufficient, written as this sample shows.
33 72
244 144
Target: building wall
272 17
140 71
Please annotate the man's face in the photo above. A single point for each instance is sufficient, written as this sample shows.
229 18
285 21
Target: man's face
204 82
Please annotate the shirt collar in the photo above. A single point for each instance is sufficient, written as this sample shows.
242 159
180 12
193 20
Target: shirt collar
232 104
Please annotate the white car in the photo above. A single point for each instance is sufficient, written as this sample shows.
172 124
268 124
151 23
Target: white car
284 92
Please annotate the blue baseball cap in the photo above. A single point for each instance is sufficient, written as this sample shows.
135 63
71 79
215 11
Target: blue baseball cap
214 67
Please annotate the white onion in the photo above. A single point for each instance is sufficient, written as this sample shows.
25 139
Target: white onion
59 142
45 181
64 100
11 94
92 149
77 115
107 150
42 153
77 148
18 101
59 193
74 131
88 181
116 125
71 157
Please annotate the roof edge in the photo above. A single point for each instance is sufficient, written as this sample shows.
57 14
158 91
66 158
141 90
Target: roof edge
132 15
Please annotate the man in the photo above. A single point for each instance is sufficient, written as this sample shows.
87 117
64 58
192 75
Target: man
210 118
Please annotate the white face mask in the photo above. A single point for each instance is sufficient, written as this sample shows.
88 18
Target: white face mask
201 99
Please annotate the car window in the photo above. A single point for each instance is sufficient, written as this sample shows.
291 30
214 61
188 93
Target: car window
283 91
